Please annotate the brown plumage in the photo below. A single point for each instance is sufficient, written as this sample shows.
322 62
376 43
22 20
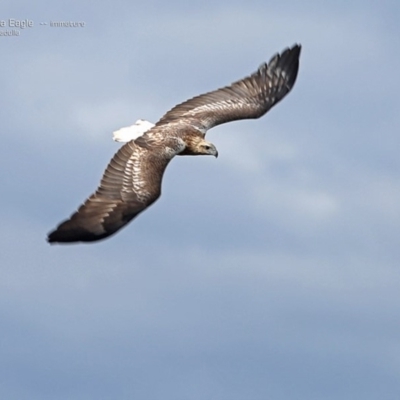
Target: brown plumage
132 179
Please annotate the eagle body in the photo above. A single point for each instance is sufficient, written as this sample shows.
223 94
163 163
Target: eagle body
132 179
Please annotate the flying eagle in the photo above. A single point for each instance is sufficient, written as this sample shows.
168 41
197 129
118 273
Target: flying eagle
132 179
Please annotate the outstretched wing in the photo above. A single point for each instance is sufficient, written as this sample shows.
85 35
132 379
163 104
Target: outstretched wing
130 184
250 97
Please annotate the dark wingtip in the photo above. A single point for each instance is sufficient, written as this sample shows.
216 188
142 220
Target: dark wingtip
50 237
54 237
290 62
287 61
50 240
64 236
296 48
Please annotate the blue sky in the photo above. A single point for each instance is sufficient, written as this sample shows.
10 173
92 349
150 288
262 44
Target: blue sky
270 273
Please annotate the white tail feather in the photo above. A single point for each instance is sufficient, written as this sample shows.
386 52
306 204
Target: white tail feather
132 132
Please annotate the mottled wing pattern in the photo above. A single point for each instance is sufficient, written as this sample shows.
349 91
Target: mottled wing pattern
248 98
130 184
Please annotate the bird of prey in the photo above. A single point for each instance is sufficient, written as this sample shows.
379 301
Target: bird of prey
132 179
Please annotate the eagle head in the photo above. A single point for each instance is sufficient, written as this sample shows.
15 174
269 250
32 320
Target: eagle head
207 148
197 146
